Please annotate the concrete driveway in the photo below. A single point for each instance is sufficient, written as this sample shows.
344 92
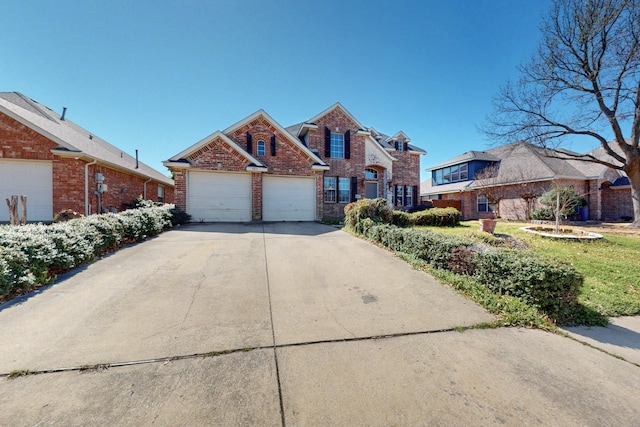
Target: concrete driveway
286 324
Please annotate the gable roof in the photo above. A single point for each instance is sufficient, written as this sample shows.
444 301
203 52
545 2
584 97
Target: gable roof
254 161
207 140
335 106
72 140
519 162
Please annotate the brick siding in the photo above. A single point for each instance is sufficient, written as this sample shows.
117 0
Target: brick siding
291 160
17 141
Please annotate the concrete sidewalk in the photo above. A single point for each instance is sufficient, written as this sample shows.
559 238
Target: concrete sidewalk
286 324
621 337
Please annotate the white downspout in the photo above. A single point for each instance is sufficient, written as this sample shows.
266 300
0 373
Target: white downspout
144 191
86 186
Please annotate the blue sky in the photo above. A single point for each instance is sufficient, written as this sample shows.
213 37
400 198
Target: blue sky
158 76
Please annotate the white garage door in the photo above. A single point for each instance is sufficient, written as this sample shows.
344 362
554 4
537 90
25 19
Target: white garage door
219 197
29 178
288 199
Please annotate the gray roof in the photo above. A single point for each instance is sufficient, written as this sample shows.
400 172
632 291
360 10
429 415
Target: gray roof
72 138
519 162
427 187
467 157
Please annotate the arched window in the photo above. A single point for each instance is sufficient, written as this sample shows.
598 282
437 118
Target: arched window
370 174
260 148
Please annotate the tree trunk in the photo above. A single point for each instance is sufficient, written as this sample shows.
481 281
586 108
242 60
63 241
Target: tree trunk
634 180
23 200
13 210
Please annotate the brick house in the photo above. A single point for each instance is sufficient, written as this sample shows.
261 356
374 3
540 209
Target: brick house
524 172
258 170
59 166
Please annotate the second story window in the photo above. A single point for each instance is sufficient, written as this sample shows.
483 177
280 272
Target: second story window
260 148
337 146
451 174
371 174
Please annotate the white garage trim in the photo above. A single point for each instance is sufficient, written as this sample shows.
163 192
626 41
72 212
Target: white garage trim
288 198
219 196
31 178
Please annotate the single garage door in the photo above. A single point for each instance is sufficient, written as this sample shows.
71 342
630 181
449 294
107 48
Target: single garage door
29 178
288 198
219 197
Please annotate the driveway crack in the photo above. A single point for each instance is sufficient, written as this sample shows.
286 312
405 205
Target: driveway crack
335 319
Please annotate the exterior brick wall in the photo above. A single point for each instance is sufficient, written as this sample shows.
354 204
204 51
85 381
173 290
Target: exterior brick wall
616 204
256 196
338 122
122 188
68 186
289 159
218 151
17 141
180 179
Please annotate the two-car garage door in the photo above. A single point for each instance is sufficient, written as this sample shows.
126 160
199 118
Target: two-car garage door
226 197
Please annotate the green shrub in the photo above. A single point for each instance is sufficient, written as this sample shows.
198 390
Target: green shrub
377 210
178 216
436 217
546 284
32 254
544 214
542 282
400 218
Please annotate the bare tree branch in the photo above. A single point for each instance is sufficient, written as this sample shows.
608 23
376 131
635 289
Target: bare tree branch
583 80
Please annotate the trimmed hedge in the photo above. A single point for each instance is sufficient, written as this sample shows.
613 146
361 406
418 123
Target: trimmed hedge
547 284
379 211
32 254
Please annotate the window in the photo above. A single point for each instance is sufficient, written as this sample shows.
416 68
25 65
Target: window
260 148
370 174
329 189
451 174
439 177
408 198
344 193
483 204
399 146
337 145
160 193
464 172
399 195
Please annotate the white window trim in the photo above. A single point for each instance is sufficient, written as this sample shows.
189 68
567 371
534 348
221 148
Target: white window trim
341 190
334 143
408 195
261 145
489 207
334 189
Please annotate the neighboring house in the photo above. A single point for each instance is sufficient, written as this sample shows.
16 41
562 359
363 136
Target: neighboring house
524 172
258 170
59 166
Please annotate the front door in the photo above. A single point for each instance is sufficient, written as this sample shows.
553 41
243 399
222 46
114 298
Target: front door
371 190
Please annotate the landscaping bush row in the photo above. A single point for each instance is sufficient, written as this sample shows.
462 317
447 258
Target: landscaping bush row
378 210
545 283
32 254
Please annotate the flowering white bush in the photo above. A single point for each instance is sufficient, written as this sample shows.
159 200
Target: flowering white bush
33 253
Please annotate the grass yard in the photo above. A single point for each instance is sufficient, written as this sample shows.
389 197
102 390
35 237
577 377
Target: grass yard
611 266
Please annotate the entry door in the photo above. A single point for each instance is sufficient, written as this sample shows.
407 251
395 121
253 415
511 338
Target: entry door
371 190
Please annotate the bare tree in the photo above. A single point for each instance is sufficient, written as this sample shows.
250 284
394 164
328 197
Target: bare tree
489 181
584 80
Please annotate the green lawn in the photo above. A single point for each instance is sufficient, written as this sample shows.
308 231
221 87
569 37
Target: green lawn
611 266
